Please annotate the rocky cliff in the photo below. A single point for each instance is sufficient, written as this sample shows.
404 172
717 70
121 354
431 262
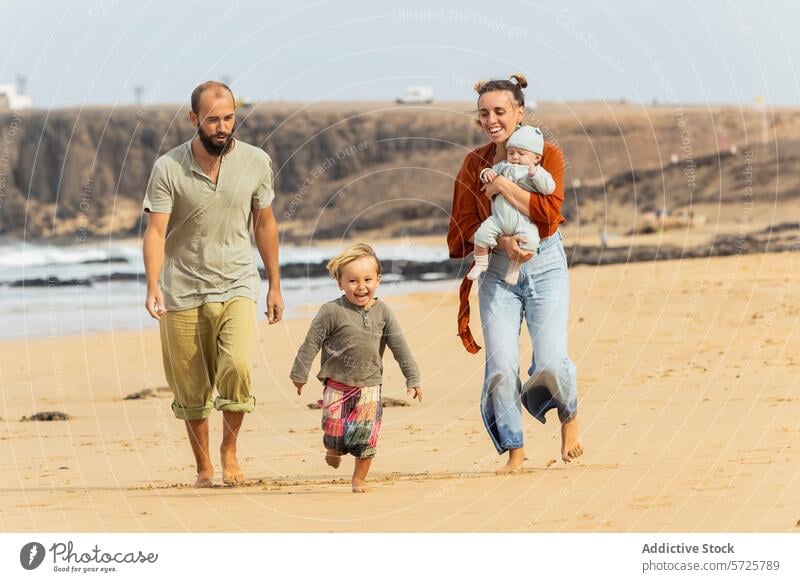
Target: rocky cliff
349 168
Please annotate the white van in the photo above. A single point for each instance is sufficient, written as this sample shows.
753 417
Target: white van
418 94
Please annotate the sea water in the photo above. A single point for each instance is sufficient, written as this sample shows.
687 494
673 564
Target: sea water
87 306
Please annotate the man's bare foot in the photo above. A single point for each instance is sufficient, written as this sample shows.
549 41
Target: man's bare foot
516 457
231 471
360 486
333 458
204 479
198 438
571 446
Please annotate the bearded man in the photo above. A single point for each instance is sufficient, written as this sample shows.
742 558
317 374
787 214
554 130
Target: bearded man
202 281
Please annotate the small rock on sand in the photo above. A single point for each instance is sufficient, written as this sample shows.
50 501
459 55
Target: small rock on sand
46 416
147 393
141 394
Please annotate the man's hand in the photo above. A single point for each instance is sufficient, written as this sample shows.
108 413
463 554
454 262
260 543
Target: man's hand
155 303
415 393
274 310
299 387
510 245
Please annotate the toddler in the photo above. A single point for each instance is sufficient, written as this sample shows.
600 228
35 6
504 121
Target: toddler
352 332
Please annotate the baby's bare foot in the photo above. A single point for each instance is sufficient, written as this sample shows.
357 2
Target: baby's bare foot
333 458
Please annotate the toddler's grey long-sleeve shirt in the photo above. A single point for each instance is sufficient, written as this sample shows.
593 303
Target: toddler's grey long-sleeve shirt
352 340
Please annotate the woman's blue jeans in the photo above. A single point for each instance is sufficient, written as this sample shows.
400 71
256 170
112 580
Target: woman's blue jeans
541 298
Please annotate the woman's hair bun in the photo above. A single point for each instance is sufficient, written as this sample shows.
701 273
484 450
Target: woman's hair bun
520 79
515 85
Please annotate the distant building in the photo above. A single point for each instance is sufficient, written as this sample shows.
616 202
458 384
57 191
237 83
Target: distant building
11 99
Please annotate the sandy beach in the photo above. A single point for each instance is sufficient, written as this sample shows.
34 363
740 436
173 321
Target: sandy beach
689 402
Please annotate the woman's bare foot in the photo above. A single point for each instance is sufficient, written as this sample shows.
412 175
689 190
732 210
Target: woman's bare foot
231 471
204 479
360 475
333 458
516 457
571 446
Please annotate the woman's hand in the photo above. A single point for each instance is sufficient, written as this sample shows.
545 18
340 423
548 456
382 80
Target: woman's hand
510 245
496 186
518 197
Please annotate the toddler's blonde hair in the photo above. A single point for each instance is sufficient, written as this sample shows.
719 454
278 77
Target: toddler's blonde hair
353 253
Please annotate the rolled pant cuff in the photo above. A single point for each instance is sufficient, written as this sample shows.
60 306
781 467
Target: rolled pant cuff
198 413
232 406
566 416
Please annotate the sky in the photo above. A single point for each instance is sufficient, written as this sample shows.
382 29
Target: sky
90 52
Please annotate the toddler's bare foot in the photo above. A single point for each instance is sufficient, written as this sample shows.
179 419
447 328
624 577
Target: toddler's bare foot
333 458
360 475
204 479
571 446
360 486
516 457
231 471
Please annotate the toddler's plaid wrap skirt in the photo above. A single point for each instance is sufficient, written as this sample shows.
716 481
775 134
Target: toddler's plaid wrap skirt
351 418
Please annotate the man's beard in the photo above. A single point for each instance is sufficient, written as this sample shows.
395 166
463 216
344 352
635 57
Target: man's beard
211 146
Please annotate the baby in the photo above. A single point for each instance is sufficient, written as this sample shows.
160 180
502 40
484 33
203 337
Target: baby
523 154
352 332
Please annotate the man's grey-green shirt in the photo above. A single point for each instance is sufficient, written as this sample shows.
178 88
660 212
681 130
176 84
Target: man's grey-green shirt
208 256
352 340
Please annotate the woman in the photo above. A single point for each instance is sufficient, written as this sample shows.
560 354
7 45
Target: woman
541 296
